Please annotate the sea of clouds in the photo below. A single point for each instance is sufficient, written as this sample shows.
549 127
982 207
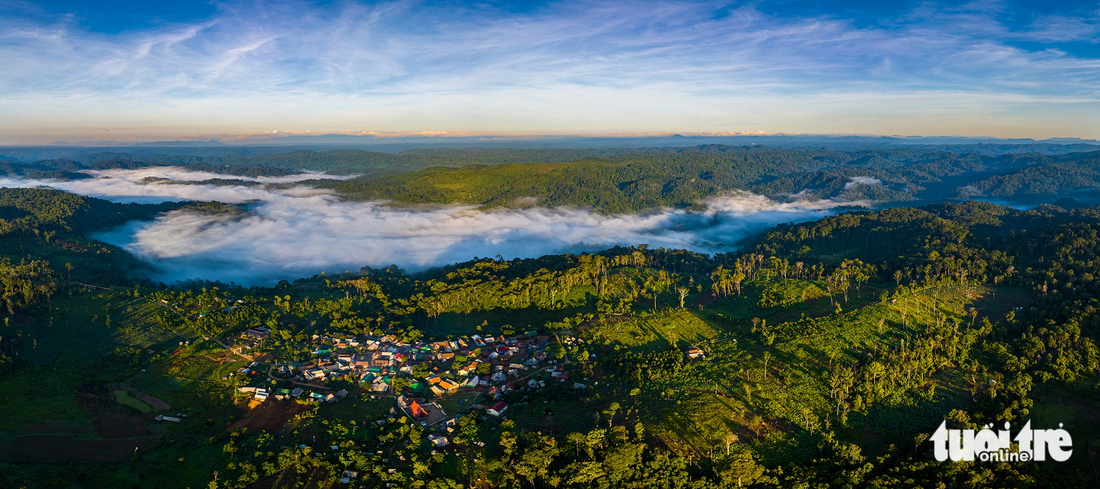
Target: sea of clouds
300 231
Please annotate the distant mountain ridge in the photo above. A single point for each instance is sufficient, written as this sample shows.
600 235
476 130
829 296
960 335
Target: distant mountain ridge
619 180
685 178
370 143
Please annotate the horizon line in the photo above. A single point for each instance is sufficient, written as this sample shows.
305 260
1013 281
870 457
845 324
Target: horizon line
247 139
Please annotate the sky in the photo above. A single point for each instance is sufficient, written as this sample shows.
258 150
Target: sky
147 71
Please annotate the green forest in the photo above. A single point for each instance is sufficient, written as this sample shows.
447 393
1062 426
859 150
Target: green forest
631 179
644 180
822 354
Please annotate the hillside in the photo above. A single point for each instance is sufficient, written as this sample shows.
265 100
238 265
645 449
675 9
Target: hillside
824 354
632 180
646 180
1076 177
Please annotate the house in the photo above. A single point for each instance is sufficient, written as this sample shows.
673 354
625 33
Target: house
439 441
347 476
416 411
258 333
296 392
578 385
695 353
379 385
469 368
382 359
497 409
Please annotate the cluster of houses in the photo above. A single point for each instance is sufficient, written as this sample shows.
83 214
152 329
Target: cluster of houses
255 371
477 362
191 310
493 365
282 394
249 339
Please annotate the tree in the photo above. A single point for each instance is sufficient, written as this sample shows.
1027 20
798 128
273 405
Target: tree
730 439
658 284
24 284
578 441
736 279
555 350
610 413
742 470
683 293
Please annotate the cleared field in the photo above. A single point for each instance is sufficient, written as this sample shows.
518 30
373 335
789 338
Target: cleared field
677 328
702 422
792 394
124 398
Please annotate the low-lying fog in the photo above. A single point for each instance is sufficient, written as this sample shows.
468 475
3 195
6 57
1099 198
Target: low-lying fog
296 232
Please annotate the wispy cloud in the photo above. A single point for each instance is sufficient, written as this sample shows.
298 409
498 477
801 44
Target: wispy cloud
568 66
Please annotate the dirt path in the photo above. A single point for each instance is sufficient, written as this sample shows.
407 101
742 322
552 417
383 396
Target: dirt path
269 416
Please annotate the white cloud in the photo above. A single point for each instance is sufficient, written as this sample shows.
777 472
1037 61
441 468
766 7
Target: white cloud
857 181
301 232
569 66
126 186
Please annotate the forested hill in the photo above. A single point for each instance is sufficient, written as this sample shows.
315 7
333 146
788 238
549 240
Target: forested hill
684 179
630 180
359 161
823 355
56 227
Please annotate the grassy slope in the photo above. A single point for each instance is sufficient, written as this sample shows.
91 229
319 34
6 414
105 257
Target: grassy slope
697 420
79 350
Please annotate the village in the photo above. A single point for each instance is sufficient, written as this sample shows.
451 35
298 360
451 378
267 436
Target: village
414 375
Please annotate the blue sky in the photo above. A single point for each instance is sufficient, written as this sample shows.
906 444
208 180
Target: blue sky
132 71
